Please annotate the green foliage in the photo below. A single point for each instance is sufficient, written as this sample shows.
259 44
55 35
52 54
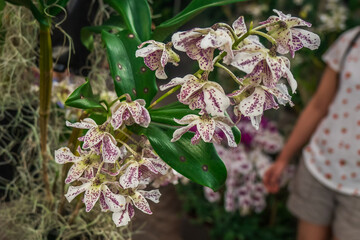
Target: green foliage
194 8
200 162
114 23
129 73
83 98
136 15
275 222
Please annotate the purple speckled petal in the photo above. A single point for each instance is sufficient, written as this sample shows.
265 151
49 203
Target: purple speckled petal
74 191
103 205
91 196
277 68
215 99
115 202
143 52
87 123
191 85
182 39
291 80
226 129
206 128
117 114
196 138
131 210
159 165
239 26
140 202
281 94
255 121
164 58
205 59
174 82
181 131
89 172
121 218
153 60
153 195
308 39
135 110
92 137
130 179
254 104
196 101
75 172
246 61
110 151
187 119
144 118
160 73
64 155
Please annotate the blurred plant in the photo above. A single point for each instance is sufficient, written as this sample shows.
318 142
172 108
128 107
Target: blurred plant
246 165
334 19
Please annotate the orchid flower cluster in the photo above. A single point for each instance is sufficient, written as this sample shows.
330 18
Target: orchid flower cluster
115 173
108 169
246 165
240 48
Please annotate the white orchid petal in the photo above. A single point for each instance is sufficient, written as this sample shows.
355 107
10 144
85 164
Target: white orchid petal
91 196
174 82
308 39
215 99
121 218
86 123
115 202
239 26
206 129
181 131
74 191
187 119
226 129
110 151
247 61
153 195
75 172
254 104
140 202
130 179
64 155
92 137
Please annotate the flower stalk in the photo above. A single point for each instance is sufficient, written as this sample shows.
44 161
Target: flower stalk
45 63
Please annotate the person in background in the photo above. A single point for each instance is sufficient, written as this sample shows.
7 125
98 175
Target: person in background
325 193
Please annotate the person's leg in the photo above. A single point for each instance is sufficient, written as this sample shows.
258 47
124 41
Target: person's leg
310 231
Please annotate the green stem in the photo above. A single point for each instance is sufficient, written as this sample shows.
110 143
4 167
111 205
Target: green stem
230 73
45 63
224 25
265 26
268 37
171 91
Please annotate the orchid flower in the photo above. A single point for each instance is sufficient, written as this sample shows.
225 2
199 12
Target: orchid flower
130 112
200 94
200 43
156 55
289 38
205 128
98 137
93 189
136 166
256 60
86 162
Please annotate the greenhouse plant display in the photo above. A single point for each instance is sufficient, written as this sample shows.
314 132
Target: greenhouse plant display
122 148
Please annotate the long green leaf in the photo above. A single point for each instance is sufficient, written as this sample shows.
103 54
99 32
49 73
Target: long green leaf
194 8
200 163
129 73
136 14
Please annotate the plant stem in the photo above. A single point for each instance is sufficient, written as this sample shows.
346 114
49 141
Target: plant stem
230 73
171 91
268 37
45 63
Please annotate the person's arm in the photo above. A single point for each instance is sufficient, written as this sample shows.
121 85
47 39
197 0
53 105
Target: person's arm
304 128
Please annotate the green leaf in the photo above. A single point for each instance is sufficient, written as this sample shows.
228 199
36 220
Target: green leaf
54 7
83 98
129 73
2 5
237 134
167 113
200 163
136 15
86 34
194 8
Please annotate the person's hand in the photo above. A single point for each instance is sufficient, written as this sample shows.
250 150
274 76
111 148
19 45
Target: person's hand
273 175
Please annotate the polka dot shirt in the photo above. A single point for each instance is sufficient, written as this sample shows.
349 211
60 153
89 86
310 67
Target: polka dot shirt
333 153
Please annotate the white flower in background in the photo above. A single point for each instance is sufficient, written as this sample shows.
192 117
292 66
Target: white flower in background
200 43
199 93
156 55
289 38
334 18
256 9
130 112
205 128
298 2
246 165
